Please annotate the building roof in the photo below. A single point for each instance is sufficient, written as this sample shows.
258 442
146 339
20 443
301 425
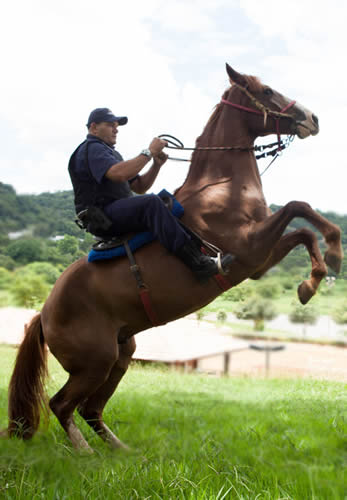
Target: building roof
184 340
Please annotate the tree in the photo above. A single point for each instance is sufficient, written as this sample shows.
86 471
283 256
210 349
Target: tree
200 314
29 291
269 288
7 262
25 250
240 292
340 313
306 315
258 309
5 278
68 245
46 270
222 316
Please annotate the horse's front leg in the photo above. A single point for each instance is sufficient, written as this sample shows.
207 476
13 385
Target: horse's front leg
289 241
265 235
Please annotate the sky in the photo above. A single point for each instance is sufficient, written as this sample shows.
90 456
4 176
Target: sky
162 64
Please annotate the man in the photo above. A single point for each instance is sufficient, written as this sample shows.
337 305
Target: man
102 179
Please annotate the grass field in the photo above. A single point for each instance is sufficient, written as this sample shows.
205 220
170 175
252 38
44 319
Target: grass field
324 304
193 437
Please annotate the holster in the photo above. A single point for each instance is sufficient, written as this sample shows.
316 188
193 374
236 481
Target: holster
94 220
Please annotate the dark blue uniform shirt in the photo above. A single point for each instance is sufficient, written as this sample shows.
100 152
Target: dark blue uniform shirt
88 166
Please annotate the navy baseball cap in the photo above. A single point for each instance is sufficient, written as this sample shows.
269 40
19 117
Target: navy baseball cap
99 115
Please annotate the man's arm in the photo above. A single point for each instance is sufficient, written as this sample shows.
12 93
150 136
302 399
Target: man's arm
125 170
143 182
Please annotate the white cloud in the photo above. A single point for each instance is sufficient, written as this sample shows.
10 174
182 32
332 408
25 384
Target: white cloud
162 64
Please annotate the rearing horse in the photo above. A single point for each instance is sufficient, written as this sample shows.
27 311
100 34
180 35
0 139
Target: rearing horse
94 306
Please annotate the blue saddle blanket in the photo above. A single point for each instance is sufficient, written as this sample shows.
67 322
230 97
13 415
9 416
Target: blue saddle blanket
139 239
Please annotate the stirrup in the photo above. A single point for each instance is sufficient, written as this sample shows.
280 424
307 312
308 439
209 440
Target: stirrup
224 262
107 243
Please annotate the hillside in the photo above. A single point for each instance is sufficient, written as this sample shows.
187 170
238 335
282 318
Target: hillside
50 214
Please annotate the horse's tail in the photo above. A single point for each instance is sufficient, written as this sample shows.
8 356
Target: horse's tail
27 395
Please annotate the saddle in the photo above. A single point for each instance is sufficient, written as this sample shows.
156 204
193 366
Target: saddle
108 247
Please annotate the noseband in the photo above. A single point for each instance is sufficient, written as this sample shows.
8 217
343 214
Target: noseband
262 110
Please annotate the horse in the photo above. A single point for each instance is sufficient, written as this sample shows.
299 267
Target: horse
93 312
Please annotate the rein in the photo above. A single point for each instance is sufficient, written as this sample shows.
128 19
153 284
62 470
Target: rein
278 147
174 143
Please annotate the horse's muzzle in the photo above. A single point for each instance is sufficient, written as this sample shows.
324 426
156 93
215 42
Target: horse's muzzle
307 127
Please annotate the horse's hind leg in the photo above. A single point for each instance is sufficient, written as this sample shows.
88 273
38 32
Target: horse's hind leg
319 270
91 409
77 389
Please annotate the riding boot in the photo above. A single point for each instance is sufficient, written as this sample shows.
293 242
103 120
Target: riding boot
203 266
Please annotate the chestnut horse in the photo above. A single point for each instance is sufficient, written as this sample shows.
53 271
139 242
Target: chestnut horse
93 312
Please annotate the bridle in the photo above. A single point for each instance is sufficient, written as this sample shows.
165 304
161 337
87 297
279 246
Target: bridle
261 109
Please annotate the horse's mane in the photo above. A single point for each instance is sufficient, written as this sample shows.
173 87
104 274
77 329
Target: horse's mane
253 84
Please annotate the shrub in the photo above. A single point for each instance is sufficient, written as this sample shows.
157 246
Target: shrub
239 293
7 262
340 314
303 314
269 288
306 315
221 316
258 309
44 269
5 278
25 250
29 291
200 314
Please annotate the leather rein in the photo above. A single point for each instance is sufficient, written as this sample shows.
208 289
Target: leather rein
276 147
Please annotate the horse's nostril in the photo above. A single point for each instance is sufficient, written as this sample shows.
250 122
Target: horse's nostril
315 119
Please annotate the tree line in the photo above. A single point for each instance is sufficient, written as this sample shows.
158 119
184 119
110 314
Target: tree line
48 240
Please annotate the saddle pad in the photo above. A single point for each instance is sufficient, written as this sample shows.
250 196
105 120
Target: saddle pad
140 239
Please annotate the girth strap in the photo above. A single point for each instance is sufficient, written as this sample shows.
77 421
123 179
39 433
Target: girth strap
222 282
142 287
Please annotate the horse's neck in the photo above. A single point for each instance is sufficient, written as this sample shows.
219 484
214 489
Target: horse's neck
223 188
209 168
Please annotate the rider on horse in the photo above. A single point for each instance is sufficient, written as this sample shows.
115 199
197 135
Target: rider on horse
104 183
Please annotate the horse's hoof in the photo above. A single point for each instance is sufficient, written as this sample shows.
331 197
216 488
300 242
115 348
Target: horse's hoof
305 292
119 445
333 260
84 450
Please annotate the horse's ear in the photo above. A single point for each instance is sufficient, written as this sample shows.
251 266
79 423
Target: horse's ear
235 76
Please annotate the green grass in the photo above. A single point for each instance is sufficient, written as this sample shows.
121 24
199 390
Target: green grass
193 437
325 304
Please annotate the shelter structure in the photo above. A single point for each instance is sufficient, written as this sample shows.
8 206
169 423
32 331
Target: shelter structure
188 343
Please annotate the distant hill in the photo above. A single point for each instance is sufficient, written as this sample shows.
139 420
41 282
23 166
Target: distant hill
49 214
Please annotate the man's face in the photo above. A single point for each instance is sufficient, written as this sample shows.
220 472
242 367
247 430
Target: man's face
106 131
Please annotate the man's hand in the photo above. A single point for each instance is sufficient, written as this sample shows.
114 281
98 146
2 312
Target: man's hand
156 146
160 159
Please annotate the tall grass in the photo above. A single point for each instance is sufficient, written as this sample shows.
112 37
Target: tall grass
193 437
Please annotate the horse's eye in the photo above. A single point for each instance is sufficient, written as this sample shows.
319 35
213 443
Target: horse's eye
268 91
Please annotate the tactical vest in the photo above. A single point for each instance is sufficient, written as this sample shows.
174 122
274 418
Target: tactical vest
88 192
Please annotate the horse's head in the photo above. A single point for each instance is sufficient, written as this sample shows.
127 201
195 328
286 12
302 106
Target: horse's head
280 114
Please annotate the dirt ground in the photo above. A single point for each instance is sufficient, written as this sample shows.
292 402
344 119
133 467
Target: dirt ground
295 360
